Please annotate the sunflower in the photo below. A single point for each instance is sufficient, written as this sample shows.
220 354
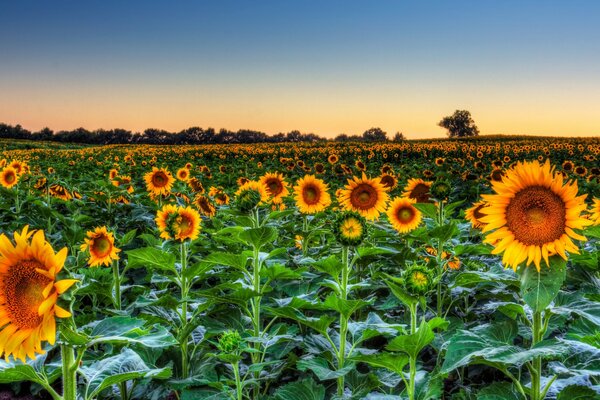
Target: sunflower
366 196
276 186
332 159
311 195
205 206
474 214
18 166
195 185
417 189
350 228
403 216
112 174
298 239
101 246
183 174
28 293
60 192
496 175
178 223
418 280
580 170
159 181
568 165
388 181
533 215
595 214
9 177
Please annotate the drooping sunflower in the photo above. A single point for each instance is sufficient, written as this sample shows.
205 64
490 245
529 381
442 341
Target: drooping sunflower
159 181
276 186
533 215
350 228
205 206
366 196
251 194
101 245
388 181
474 214
183 174
29 291
311 195
417 189
9 177
178 223
403 215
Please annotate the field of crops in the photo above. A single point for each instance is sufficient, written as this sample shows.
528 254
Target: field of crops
413 270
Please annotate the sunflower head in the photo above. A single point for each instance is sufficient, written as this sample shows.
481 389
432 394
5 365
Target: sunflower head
418 280
311 195
230 342
159 181
418 189
29 290
205 206
366 196
101 246
276 186
350 228
178 223
532 215
440 189
403 215
9 177
183 174
250 195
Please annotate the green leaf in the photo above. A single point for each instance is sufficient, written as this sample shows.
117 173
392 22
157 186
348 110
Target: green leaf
126 366
127 330
499 391
306 389
151 258
17 372
394 362
331 266
538 289
402 295
428 209
414 343
320 367
237 261
279 271
320 324
578 392
258 237
367 251
127 238
344 307
445 232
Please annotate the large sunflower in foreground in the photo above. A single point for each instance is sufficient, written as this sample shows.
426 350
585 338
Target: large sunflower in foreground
403 215
311 195
366 196
178 223
418 189
9 177
159 181
533 215
28 293
101 245
276 186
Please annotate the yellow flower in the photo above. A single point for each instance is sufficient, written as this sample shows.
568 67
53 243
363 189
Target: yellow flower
159 181
101 246
533 215
366 196
183 174
29 290
276 186
311 195
9 177
417 189
178 223
474 214
403 216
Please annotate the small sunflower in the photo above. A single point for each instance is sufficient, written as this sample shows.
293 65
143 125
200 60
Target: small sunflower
418 189
311 195
159 181
251 194
29 290
350 228
533 215
101 246
9 177
403 215
205 206
366 196
178 223
183 174
276 186
474 214
418 280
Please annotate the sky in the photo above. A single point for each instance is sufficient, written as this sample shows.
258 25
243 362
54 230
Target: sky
326 67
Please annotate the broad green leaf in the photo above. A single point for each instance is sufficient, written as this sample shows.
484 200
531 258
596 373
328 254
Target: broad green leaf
151 258
538 289
367 251
344 307
125 366
578 392
445 232
127 330
394 362
17 372
321 369
279 271
237 261
402 295
306 389
127 238
258 237
331 266
500 391
428 209
413 344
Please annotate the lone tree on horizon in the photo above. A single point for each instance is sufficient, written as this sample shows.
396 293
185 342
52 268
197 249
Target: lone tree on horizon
460 124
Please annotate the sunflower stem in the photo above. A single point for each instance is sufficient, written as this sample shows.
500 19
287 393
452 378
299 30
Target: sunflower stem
117 285
255 303
536 371
343 320
184 305
69 368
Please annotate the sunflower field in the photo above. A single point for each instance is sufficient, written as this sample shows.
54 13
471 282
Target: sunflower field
450 269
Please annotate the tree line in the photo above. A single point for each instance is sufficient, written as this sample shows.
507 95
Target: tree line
460 124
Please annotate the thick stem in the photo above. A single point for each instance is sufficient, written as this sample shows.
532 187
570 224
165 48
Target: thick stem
117 285
411 382
536 370
343 320
238 381
439 258
255 302
184 305
69 368
413 318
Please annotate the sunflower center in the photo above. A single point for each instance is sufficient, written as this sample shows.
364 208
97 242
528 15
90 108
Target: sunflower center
419 278
536 215
275 187
184 225
101 246
351 228
23 287
420 193
364 196
405 215
9 177
159 179
311 195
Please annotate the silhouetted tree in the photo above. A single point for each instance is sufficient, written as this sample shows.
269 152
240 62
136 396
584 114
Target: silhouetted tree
374 135
460 124
399 137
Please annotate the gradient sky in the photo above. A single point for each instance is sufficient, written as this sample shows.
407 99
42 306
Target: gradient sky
320 66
